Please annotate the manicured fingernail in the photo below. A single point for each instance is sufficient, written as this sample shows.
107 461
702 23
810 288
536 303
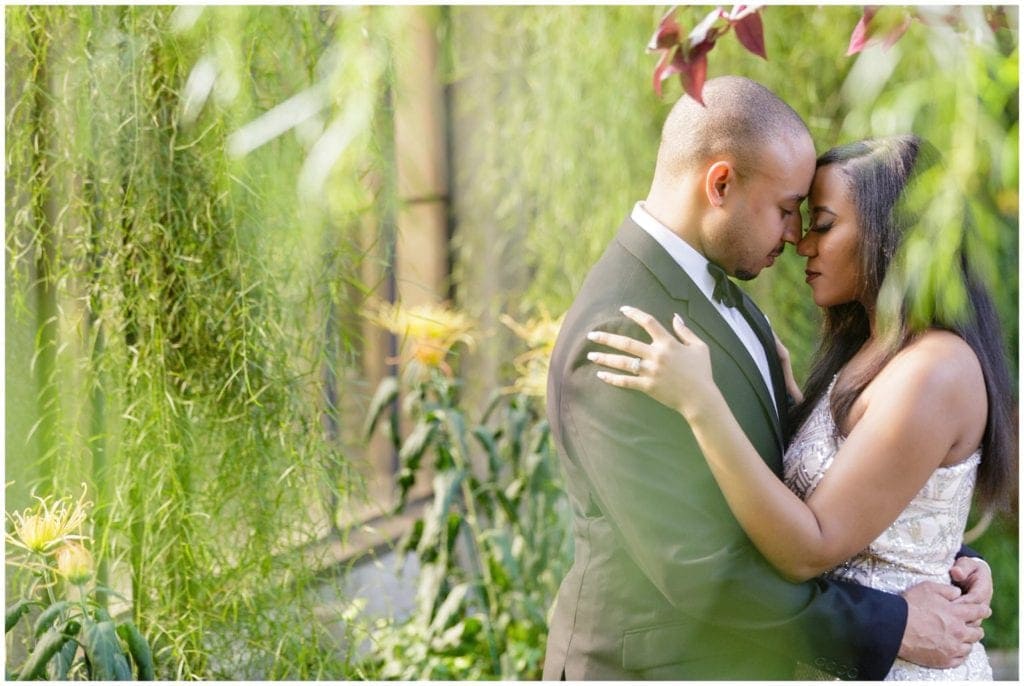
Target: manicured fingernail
625 309
593 336
677 318
603 376
591 356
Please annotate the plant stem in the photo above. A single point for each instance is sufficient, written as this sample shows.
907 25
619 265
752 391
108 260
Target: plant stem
473 522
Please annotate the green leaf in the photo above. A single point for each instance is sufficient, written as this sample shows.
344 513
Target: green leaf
139 649
428 589
409 458
109 591
14 613
61 663
417 442
454 524
47 646
411 539
486 438
543 431
493 403
507 506
386 392
456 424
446 485
106 657
48 616
449 607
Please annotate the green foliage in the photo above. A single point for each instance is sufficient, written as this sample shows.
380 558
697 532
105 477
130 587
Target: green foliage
171 300
492 546
562 129
1000 546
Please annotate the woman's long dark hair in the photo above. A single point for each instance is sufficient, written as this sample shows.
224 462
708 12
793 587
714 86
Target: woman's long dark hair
878 172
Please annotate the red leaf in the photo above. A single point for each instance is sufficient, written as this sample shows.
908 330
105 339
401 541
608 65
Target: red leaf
704 31
667 33
671 62
742 11
693 76
859 37
896 33
996 18
750 32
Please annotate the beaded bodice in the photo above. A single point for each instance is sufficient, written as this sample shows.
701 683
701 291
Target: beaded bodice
921 545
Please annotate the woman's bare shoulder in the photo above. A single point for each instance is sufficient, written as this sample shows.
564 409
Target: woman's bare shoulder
939 371
938 359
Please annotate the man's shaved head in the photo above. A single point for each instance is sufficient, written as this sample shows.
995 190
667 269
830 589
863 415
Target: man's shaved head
738 118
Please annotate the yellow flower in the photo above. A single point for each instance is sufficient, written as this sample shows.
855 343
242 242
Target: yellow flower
428 331
540 334
42 528
533 375
74 562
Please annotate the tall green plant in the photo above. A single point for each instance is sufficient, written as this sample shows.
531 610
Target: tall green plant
494 544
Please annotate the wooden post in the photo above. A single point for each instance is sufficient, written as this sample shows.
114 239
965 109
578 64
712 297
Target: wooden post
421 259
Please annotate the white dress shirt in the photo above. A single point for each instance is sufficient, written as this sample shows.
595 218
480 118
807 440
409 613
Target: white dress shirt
696 267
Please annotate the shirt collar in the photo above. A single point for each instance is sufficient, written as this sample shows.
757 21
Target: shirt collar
685 255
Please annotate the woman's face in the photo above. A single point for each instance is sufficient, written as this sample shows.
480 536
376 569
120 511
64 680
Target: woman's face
830 244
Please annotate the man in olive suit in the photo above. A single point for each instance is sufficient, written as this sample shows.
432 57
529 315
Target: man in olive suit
665 584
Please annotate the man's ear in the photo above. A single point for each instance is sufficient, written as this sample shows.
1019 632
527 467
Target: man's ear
718 181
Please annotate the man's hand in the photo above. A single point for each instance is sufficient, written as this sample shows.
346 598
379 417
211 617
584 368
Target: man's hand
974 577
941 627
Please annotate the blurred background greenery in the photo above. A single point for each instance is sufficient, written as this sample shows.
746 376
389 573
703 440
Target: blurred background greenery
200 201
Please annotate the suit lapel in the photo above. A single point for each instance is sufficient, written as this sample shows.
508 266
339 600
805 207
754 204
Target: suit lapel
701 315
763 331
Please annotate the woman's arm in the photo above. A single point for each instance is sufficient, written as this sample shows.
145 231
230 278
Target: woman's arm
906 432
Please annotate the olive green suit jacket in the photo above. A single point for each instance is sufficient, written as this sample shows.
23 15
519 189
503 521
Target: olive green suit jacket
664 583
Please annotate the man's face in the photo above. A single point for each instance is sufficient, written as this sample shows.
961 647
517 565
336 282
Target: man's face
762 212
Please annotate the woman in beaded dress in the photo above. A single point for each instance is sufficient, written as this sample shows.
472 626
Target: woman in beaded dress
897 428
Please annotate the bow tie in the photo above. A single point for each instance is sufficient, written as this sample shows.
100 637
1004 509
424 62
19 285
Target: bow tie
726 292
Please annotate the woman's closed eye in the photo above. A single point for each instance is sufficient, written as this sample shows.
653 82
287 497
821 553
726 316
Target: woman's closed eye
821 228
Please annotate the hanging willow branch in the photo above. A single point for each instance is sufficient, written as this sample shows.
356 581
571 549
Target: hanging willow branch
171 292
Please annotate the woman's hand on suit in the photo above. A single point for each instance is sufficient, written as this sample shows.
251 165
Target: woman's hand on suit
674 370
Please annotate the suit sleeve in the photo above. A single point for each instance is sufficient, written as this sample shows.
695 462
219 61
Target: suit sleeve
649 479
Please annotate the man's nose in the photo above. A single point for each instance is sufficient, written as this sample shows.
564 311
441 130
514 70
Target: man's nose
807 246
791 231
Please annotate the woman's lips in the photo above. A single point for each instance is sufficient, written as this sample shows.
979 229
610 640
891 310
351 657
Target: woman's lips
811 276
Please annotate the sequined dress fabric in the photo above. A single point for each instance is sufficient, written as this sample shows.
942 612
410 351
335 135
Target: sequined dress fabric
920 545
